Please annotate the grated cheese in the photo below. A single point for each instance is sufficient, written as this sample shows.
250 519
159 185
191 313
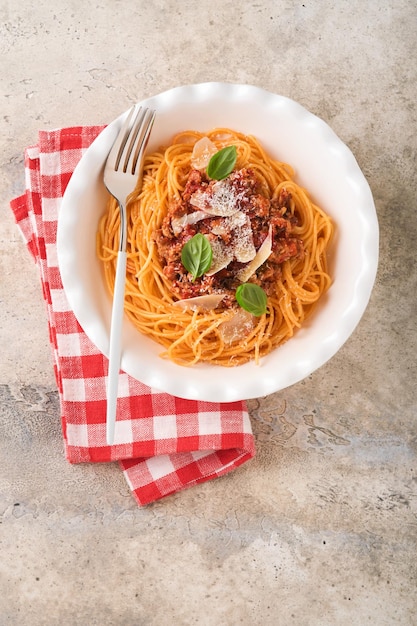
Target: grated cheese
222 256
223 201
240 247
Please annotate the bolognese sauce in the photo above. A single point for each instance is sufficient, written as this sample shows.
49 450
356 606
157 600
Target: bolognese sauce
236 218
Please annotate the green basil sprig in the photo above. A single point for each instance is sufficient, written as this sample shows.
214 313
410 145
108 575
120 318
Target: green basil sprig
252 298
196 255
222 163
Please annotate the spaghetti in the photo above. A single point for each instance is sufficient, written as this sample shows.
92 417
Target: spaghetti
258 200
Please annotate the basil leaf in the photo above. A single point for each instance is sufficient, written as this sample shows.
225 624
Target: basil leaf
252 298
196 255
222 163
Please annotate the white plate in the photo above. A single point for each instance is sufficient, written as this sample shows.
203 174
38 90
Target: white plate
323 164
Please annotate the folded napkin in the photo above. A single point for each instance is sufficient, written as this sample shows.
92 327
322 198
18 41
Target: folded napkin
163 443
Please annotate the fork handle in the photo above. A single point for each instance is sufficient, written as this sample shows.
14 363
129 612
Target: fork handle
115 345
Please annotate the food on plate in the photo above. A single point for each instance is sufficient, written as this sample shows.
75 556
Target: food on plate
227 254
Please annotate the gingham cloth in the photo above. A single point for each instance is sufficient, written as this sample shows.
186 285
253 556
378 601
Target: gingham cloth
163 443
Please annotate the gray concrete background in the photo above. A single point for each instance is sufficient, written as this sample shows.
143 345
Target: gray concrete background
320 529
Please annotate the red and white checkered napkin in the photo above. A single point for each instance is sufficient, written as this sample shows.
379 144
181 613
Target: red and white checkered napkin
163 443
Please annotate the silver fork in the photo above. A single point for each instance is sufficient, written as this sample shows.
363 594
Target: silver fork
122 172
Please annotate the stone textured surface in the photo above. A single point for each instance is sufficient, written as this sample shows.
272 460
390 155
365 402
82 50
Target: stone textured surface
320 529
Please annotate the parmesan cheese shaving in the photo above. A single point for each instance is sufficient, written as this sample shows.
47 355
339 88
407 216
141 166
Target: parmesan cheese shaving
240 247
222 255
207 302
237 327
178 223
261 256
223 201
244 248
203 150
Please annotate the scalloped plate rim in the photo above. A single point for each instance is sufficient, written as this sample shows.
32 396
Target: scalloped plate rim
321 337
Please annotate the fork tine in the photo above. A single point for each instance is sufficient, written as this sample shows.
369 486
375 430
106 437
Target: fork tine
135 126
123 141
141 140
116 151
131 140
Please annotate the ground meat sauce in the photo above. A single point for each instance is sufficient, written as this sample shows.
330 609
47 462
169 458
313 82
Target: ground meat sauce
236 218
